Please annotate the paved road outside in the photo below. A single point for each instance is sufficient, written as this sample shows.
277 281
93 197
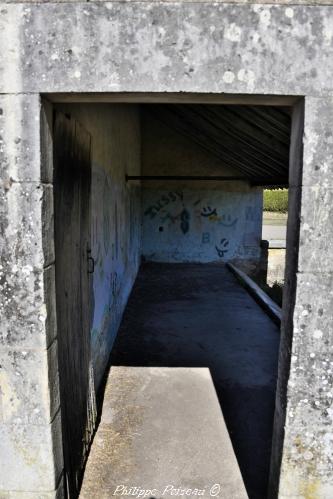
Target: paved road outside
274 227
195 315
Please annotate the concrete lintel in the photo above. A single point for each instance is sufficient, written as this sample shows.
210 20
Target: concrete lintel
172 98
242 2
229 48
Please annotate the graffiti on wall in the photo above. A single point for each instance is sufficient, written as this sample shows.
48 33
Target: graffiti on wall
184 216
222 249
165 199
213 223
207 211
249 246
108 203
224 219
116 236
205 238
106 215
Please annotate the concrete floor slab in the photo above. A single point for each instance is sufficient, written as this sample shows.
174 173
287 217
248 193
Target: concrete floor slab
162 431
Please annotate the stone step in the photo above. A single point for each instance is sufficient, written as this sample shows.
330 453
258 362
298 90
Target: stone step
162 434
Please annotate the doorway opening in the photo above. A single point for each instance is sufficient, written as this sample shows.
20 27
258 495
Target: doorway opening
153 197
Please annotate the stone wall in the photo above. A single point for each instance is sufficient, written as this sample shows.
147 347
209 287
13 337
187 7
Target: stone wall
227 49
303 416
30 426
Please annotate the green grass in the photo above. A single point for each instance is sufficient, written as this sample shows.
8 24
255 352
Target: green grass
276 200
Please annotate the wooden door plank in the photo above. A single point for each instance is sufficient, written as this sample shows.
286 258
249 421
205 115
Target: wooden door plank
72 235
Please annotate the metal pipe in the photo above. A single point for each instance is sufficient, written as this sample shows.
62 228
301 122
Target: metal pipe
253 181
182 177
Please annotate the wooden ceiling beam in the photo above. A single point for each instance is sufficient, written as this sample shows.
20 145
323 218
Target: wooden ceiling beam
222 133
224 137
206 142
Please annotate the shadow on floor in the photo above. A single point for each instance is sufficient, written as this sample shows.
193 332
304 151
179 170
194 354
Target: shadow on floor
197 315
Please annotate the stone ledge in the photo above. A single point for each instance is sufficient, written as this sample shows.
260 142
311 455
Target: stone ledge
162 426
270 307
277 244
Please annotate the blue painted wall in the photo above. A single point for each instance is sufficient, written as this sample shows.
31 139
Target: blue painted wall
194 221
184 224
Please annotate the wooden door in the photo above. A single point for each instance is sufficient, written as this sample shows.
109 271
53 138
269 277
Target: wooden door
72 152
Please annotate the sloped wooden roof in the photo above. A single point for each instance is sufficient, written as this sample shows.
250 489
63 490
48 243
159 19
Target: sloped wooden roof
252 139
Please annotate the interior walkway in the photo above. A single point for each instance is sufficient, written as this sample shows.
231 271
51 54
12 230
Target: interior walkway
194 315
162 434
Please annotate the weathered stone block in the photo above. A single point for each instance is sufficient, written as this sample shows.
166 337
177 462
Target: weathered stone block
313 314
26 218
307 456
27 305
197 47
297 485
20 158
316 230
29 385
31 456
318 142
311 374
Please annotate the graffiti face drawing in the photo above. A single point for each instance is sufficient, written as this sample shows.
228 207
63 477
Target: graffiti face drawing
224 243
227 221
207 211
